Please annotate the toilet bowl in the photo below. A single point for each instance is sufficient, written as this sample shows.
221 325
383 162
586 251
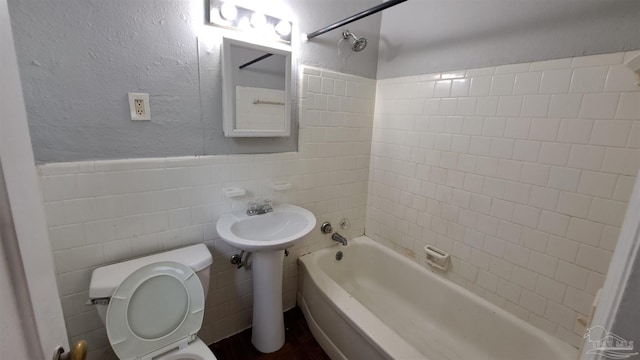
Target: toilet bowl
153 306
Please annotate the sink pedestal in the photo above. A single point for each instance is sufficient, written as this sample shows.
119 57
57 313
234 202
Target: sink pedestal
266 236
268 320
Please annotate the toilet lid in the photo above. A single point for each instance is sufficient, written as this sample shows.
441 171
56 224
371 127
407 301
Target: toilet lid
156 307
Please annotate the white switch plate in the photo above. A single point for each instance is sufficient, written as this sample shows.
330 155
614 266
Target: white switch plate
139 106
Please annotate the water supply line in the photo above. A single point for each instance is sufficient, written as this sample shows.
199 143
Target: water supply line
238 259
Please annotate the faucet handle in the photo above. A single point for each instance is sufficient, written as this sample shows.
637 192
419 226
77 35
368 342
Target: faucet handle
267 204
252 206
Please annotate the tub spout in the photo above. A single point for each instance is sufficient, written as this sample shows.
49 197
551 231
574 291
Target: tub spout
339 238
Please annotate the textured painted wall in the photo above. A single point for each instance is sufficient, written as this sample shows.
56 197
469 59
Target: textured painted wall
432 36
78 60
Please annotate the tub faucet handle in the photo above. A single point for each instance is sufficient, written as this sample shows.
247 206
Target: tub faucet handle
326 228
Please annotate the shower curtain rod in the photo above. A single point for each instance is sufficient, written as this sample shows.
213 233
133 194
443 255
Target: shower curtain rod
358 16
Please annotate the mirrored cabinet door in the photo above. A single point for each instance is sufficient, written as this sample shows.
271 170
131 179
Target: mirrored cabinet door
257 95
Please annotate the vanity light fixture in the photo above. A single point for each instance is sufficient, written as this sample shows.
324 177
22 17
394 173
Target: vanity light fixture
283 28
228 11
257 20
231 16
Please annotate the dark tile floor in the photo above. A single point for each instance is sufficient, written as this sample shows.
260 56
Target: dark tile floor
299 343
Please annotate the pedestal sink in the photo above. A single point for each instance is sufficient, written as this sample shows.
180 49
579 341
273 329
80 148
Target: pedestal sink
266 236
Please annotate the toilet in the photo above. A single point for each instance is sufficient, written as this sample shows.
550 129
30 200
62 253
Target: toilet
153 306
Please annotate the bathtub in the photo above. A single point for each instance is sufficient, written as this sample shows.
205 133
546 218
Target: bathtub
376 304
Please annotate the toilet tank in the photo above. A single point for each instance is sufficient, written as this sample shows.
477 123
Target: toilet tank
105 280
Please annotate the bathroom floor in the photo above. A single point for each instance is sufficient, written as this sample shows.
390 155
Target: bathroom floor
299 344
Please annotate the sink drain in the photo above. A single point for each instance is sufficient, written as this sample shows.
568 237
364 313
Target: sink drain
339 256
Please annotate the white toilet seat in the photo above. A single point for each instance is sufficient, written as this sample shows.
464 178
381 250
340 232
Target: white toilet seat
156 309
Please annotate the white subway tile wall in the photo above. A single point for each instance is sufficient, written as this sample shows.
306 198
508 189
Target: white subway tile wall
522 172
102 212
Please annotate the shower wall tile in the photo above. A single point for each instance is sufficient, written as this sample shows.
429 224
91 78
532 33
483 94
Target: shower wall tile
525 181
102 212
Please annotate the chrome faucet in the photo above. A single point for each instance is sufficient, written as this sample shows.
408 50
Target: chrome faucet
339 238
255 209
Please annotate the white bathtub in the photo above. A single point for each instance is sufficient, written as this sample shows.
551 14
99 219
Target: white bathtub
376 304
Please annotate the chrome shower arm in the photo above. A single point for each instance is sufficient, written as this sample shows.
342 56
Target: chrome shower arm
346 34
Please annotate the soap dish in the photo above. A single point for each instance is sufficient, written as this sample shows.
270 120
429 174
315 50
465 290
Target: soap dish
280 186
232 192
437 258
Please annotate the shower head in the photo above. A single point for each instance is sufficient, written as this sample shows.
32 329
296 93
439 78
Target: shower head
358 43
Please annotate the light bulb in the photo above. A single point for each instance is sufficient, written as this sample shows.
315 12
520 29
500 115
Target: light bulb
283 28
258 20
228 11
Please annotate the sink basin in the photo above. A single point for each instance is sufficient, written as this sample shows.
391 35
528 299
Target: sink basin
266 236
276 230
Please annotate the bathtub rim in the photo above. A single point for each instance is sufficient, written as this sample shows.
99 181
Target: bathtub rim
321 278
375 332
